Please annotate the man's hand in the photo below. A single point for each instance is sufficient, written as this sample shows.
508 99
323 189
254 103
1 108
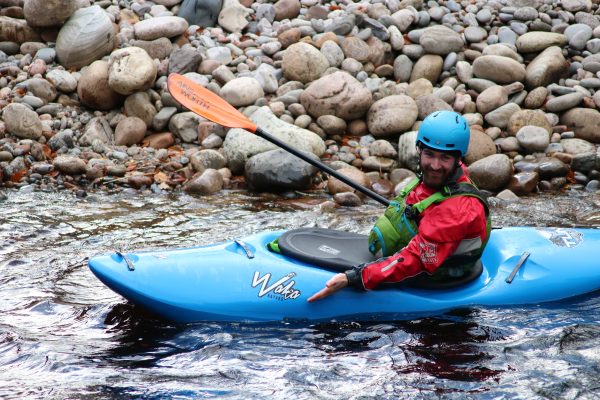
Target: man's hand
336 283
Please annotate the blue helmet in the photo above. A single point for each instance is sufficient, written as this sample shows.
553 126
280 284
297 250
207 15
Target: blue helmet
445 131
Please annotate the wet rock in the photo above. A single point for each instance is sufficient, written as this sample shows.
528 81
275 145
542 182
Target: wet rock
347 199
491 173
338 94
69 165
130 131
242 91
392 114
373 163
130 70
93 89
508 196
87 36
303 62
278 170
22 122
44 13
550 167
139 180
209 182
155 28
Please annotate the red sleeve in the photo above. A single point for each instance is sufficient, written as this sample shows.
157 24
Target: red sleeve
442 228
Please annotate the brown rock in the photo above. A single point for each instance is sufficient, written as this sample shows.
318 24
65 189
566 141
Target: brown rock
527 117
335 186
209 182
286 9
93 89
16 30
429 67
523 183
338 94
289 37
480 146
356 48
584 122
159 140
130 131
138 181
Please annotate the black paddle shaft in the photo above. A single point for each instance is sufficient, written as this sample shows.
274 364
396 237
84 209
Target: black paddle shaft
323 167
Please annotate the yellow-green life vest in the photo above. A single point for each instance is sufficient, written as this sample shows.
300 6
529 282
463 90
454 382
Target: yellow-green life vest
399 224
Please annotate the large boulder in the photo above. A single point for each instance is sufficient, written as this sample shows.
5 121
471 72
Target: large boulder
277 170
93 89
391 115
22 122
441 40
240 145
303 62
87 36
584 122
498 69
131 70
480 147
338 94
548 67
44 13
492 173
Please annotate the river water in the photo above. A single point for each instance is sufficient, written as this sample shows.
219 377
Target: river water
64 335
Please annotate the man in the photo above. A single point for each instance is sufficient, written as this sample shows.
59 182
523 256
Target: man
438 225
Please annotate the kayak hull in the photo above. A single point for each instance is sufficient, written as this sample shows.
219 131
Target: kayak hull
244 281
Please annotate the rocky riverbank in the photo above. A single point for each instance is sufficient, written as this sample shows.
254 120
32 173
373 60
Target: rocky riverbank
85 104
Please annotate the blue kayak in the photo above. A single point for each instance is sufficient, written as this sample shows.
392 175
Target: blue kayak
243 280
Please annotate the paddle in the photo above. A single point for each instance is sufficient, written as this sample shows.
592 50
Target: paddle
207 104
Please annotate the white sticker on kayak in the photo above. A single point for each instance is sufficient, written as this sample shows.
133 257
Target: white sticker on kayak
562 237
281 289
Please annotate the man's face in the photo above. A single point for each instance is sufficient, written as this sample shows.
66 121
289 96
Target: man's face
437 167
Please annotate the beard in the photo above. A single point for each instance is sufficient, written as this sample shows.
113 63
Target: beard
436 179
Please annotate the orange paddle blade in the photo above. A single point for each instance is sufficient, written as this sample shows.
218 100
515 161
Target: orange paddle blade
205 103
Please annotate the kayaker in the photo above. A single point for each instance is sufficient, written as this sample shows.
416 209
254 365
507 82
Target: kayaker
438 225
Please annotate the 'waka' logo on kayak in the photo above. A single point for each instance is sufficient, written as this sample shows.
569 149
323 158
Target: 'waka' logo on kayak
282 289
562 237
